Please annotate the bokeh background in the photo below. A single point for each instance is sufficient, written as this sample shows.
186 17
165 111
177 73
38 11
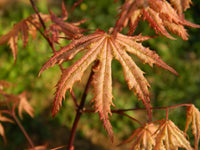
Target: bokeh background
166 88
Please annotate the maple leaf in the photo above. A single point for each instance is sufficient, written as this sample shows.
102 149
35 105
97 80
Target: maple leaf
59 25
103 47
25 26
168 136
181 6
144 138
2 132
24 105
160 15
193 117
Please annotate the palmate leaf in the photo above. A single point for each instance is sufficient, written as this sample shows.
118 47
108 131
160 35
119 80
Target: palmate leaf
31 24
143 138
166 136
24 105
21 100
169 137
58 25
181 5
161 16
26 26
103 47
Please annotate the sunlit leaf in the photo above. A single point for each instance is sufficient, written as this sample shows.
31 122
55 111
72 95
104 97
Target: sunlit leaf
103 47
170 137
25 27
143 138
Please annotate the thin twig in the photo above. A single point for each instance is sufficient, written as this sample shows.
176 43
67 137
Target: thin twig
130 117
138 109
167 114
60 147
79 113
24 131
74 98
5 112
38 14
46 37
11 112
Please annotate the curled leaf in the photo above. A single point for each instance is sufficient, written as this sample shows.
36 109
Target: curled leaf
193 118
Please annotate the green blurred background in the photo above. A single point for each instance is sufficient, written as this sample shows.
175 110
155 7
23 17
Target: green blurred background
166 88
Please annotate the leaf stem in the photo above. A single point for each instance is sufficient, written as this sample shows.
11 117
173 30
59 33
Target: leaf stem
167 114
74 98
11 112
38 14
130 117
79 113
23 131
137 109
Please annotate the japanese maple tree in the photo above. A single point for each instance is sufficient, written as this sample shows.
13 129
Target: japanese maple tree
98 49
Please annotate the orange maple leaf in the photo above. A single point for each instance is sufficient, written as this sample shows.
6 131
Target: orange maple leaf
70 30
21 100
25 26
104 47
168 136
160 15
181 6
31 24
143 137
24 105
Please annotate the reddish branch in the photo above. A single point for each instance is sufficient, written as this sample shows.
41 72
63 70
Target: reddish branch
121 111
37 12
79 113
11 112
74 99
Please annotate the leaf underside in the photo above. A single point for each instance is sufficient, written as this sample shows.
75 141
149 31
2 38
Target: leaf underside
103 47
166 136
52 32
169 136
143 138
